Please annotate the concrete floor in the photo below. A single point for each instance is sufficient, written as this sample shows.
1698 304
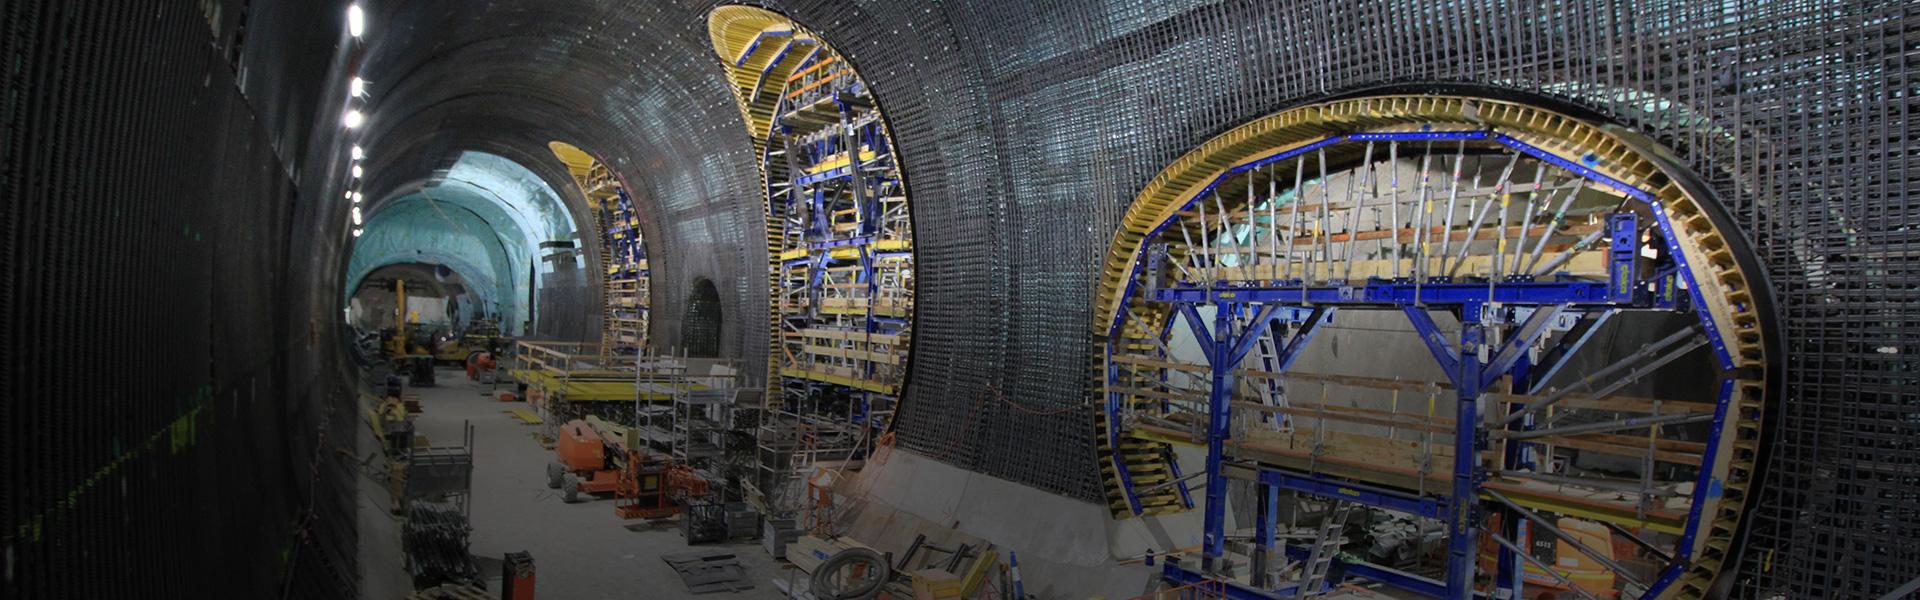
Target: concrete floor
579 550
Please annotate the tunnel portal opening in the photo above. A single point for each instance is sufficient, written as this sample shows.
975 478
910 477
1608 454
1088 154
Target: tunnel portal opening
700 325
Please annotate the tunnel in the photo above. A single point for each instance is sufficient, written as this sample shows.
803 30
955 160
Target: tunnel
966 299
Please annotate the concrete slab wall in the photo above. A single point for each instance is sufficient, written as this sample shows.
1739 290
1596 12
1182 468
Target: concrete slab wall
1065 546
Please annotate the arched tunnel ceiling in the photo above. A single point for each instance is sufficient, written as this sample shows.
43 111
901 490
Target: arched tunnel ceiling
1025 128
614 81
417 229
483 214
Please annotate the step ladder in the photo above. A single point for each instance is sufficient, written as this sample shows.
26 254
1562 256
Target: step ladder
1326 547
1270 391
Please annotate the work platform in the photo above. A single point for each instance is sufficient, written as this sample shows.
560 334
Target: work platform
557 372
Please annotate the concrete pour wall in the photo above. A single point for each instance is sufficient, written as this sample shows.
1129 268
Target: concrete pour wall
1066 547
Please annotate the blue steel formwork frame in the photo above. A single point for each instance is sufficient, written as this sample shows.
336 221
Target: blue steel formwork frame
1268 301
865 178
629 252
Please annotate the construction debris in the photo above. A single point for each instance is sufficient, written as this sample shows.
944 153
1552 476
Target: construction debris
708 571
451 592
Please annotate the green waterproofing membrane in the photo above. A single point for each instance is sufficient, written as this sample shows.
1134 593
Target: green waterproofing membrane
485 218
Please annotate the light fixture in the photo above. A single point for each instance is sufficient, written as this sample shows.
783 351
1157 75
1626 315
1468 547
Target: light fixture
353 118
356 171
349 195
359 154
356 232
356 197
356 87
356 215
356 20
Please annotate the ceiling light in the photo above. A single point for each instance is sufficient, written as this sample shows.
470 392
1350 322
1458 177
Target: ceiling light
356 20
356 232
356 87
353 118
356 197
359 154
356 215
356 171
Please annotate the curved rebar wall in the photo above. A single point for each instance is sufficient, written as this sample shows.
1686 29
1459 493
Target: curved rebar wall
1032 125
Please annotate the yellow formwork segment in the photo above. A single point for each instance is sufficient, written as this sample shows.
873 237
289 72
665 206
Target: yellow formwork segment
527 416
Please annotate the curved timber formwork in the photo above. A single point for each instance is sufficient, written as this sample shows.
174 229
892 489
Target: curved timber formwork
1535 231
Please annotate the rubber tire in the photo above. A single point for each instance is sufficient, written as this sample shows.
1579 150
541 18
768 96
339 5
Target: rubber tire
556 475
570 489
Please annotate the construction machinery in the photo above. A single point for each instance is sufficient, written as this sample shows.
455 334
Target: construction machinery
481 367
596 457
479 337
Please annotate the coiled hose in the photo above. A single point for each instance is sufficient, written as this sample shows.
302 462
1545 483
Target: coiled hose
826 586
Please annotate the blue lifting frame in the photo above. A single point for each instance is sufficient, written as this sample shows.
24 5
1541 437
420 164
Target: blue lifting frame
1539 306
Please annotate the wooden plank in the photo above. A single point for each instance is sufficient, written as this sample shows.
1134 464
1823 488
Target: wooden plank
849 353
527 416
1621 403
852 336
1638 452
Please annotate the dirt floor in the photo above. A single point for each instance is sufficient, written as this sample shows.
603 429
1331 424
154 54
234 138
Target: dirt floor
579 550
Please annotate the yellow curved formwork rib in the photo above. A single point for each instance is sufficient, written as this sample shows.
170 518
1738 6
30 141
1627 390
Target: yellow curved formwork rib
758 36
732 29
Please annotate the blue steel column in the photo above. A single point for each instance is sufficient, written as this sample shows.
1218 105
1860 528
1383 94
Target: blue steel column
1265 514
1219 401
1511 577
1461 538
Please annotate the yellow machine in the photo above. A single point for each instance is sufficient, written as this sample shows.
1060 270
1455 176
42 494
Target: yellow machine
1567 561
401 343
479 337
